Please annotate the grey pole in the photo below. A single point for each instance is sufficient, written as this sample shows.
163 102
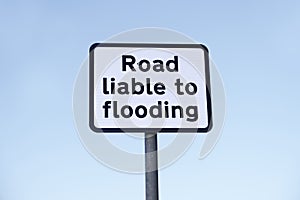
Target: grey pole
151 166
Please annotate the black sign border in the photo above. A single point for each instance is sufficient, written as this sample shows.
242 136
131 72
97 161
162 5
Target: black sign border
143 130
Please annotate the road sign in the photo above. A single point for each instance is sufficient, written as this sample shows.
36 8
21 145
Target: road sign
149 88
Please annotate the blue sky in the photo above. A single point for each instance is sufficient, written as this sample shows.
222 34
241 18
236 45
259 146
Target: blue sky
255 45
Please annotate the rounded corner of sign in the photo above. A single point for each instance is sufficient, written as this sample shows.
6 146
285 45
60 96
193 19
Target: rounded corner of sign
93 127
209 127
93 46
204 47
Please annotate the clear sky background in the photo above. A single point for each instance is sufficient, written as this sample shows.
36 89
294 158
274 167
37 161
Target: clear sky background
255 45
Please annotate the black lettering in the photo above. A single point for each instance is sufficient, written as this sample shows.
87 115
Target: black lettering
147 65
137 111
130 111
174 62
159 88
174 108
128 63
192 113
158 109
159 66
148 83
105 91
123 88
178 84
134 89
115 105
193 91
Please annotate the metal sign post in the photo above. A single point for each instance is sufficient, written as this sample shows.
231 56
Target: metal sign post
151 172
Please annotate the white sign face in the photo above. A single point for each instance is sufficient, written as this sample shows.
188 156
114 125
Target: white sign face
149 87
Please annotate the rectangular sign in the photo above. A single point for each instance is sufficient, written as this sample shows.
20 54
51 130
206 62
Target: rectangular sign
149 88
